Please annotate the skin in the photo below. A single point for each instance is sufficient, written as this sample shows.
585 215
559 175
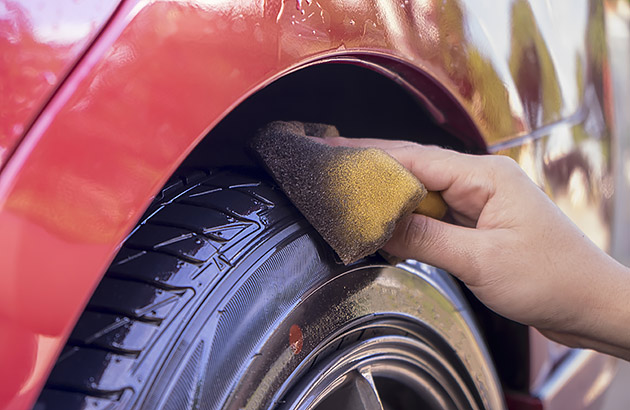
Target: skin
513 247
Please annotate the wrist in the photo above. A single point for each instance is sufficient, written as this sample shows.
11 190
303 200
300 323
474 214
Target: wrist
601 310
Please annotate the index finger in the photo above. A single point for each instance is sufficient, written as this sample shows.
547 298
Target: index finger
437 168
364 142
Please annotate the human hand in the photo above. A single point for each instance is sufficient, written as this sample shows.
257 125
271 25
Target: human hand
515 250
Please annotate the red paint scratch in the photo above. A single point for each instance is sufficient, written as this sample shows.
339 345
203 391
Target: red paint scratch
296 339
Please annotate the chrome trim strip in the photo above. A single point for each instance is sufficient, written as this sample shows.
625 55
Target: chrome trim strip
577 117
582 377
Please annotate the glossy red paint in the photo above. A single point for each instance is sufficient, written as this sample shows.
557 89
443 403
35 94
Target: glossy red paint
163 73
39 43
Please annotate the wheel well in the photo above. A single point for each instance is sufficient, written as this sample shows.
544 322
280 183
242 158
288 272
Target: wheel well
358 101
363 103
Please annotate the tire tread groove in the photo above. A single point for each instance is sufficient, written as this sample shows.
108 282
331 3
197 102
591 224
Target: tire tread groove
177 190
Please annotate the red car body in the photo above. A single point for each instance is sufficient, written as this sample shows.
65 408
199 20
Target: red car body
102 100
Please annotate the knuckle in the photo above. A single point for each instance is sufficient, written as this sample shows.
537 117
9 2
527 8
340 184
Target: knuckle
429 147
417 232
479 257
409 144
410 147
502 168
335 141
503 163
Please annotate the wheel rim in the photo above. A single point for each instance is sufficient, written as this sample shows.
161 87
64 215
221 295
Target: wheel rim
383 373
387 322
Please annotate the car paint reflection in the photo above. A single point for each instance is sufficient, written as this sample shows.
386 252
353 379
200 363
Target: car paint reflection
39 42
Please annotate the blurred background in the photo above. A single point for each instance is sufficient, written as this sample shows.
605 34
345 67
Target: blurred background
618 29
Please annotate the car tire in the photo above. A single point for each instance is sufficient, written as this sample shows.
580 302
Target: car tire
225 297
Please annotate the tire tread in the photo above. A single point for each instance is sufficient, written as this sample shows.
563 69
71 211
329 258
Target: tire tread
191 234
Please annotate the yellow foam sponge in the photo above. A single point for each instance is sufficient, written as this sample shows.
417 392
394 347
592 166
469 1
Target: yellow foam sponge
352 196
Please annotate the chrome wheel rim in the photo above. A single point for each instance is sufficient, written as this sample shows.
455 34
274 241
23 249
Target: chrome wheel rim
342 326
383 373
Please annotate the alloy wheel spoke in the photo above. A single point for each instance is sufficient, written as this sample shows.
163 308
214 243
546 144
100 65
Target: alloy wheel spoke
364 393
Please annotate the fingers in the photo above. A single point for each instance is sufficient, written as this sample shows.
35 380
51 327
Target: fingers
436 167
466 182
450 247
363 142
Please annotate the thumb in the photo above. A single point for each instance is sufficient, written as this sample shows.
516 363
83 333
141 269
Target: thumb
450 247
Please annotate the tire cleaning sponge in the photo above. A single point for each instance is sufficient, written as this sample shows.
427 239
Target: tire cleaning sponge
352 196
